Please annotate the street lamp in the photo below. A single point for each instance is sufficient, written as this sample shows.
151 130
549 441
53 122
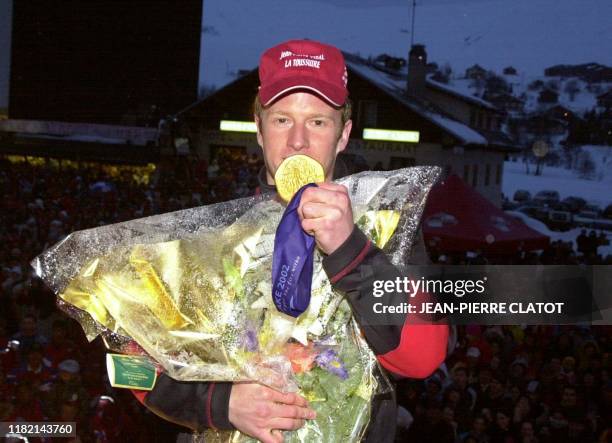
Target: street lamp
540 148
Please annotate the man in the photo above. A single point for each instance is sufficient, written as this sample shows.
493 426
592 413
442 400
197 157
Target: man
67 387
302 108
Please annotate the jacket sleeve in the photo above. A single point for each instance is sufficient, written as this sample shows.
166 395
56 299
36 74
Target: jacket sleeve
195 405
403 347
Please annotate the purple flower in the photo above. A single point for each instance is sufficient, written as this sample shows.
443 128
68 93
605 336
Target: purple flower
249 340
329 361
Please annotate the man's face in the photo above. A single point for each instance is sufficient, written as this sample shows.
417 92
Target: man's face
460 378
479 425
69 412
28 326
301 123
502 420
34 359
65 376
484 377
495 388
568 397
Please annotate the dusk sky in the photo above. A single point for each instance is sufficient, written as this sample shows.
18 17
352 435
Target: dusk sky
528 34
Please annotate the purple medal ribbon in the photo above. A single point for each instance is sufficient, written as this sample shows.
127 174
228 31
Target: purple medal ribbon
292 261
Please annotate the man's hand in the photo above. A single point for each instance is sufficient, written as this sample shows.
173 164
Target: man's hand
326 213
261 412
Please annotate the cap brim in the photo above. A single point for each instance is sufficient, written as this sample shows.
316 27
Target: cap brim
330 93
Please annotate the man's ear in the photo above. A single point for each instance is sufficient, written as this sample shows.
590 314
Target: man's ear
344 137
258 126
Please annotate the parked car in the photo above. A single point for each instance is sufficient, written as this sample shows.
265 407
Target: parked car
592 208
559 220
560 206
547 197
534 211
555 219
575 204
521 195
507 205
585 213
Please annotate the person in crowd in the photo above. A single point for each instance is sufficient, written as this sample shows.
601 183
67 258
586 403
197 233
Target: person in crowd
61 347
35 370
430 426
28 334
67 387
27 405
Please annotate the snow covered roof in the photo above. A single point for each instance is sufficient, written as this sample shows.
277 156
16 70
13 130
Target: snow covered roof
460 94
607 94
76 138
84 132
395 87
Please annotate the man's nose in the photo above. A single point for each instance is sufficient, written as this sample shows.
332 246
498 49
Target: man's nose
298 137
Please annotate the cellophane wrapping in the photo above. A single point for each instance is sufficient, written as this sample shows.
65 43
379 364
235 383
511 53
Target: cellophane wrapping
193 289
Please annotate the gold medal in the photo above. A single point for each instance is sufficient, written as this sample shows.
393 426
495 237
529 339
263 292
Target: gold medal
295 172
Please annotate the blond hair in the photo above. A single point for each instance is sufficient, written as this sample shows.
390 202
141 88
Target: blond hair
346 109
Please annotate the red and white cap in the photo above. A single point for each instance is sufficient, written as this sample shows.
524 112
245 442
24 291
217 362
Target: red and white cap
303 64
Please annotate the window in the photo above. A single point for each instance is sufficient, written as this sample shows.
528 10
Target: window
475 176
401 162
368 113
472 118
466 173
487 174
498 174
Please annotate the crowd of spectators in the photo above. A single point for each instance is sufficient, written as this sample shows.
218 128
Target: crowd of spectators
558 252
56 374
501 384
513 384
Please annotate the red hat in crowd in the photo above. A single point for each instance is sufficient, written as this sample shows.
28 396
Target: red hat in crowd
303 64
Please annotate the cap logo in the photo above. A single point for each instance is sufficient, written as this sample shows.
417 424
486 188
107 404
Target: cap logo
301 60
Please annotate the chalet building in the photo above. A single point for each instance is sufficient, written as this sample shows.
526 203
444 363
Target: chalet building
544 126
476 72
561 113
605 100
505 102
548 96
589 72
550 122
458 132
386 61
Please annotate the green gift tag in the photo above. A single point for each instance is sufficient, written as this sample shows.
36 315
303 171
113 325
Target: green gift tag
130 371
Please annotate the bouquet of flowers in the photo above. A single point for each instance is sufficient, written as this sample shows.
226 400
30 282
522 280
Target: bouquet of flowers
193 289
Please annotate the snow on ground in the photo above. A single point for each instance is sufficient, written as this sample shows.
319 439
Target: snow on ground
567 236
580 102
565 181
602 158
